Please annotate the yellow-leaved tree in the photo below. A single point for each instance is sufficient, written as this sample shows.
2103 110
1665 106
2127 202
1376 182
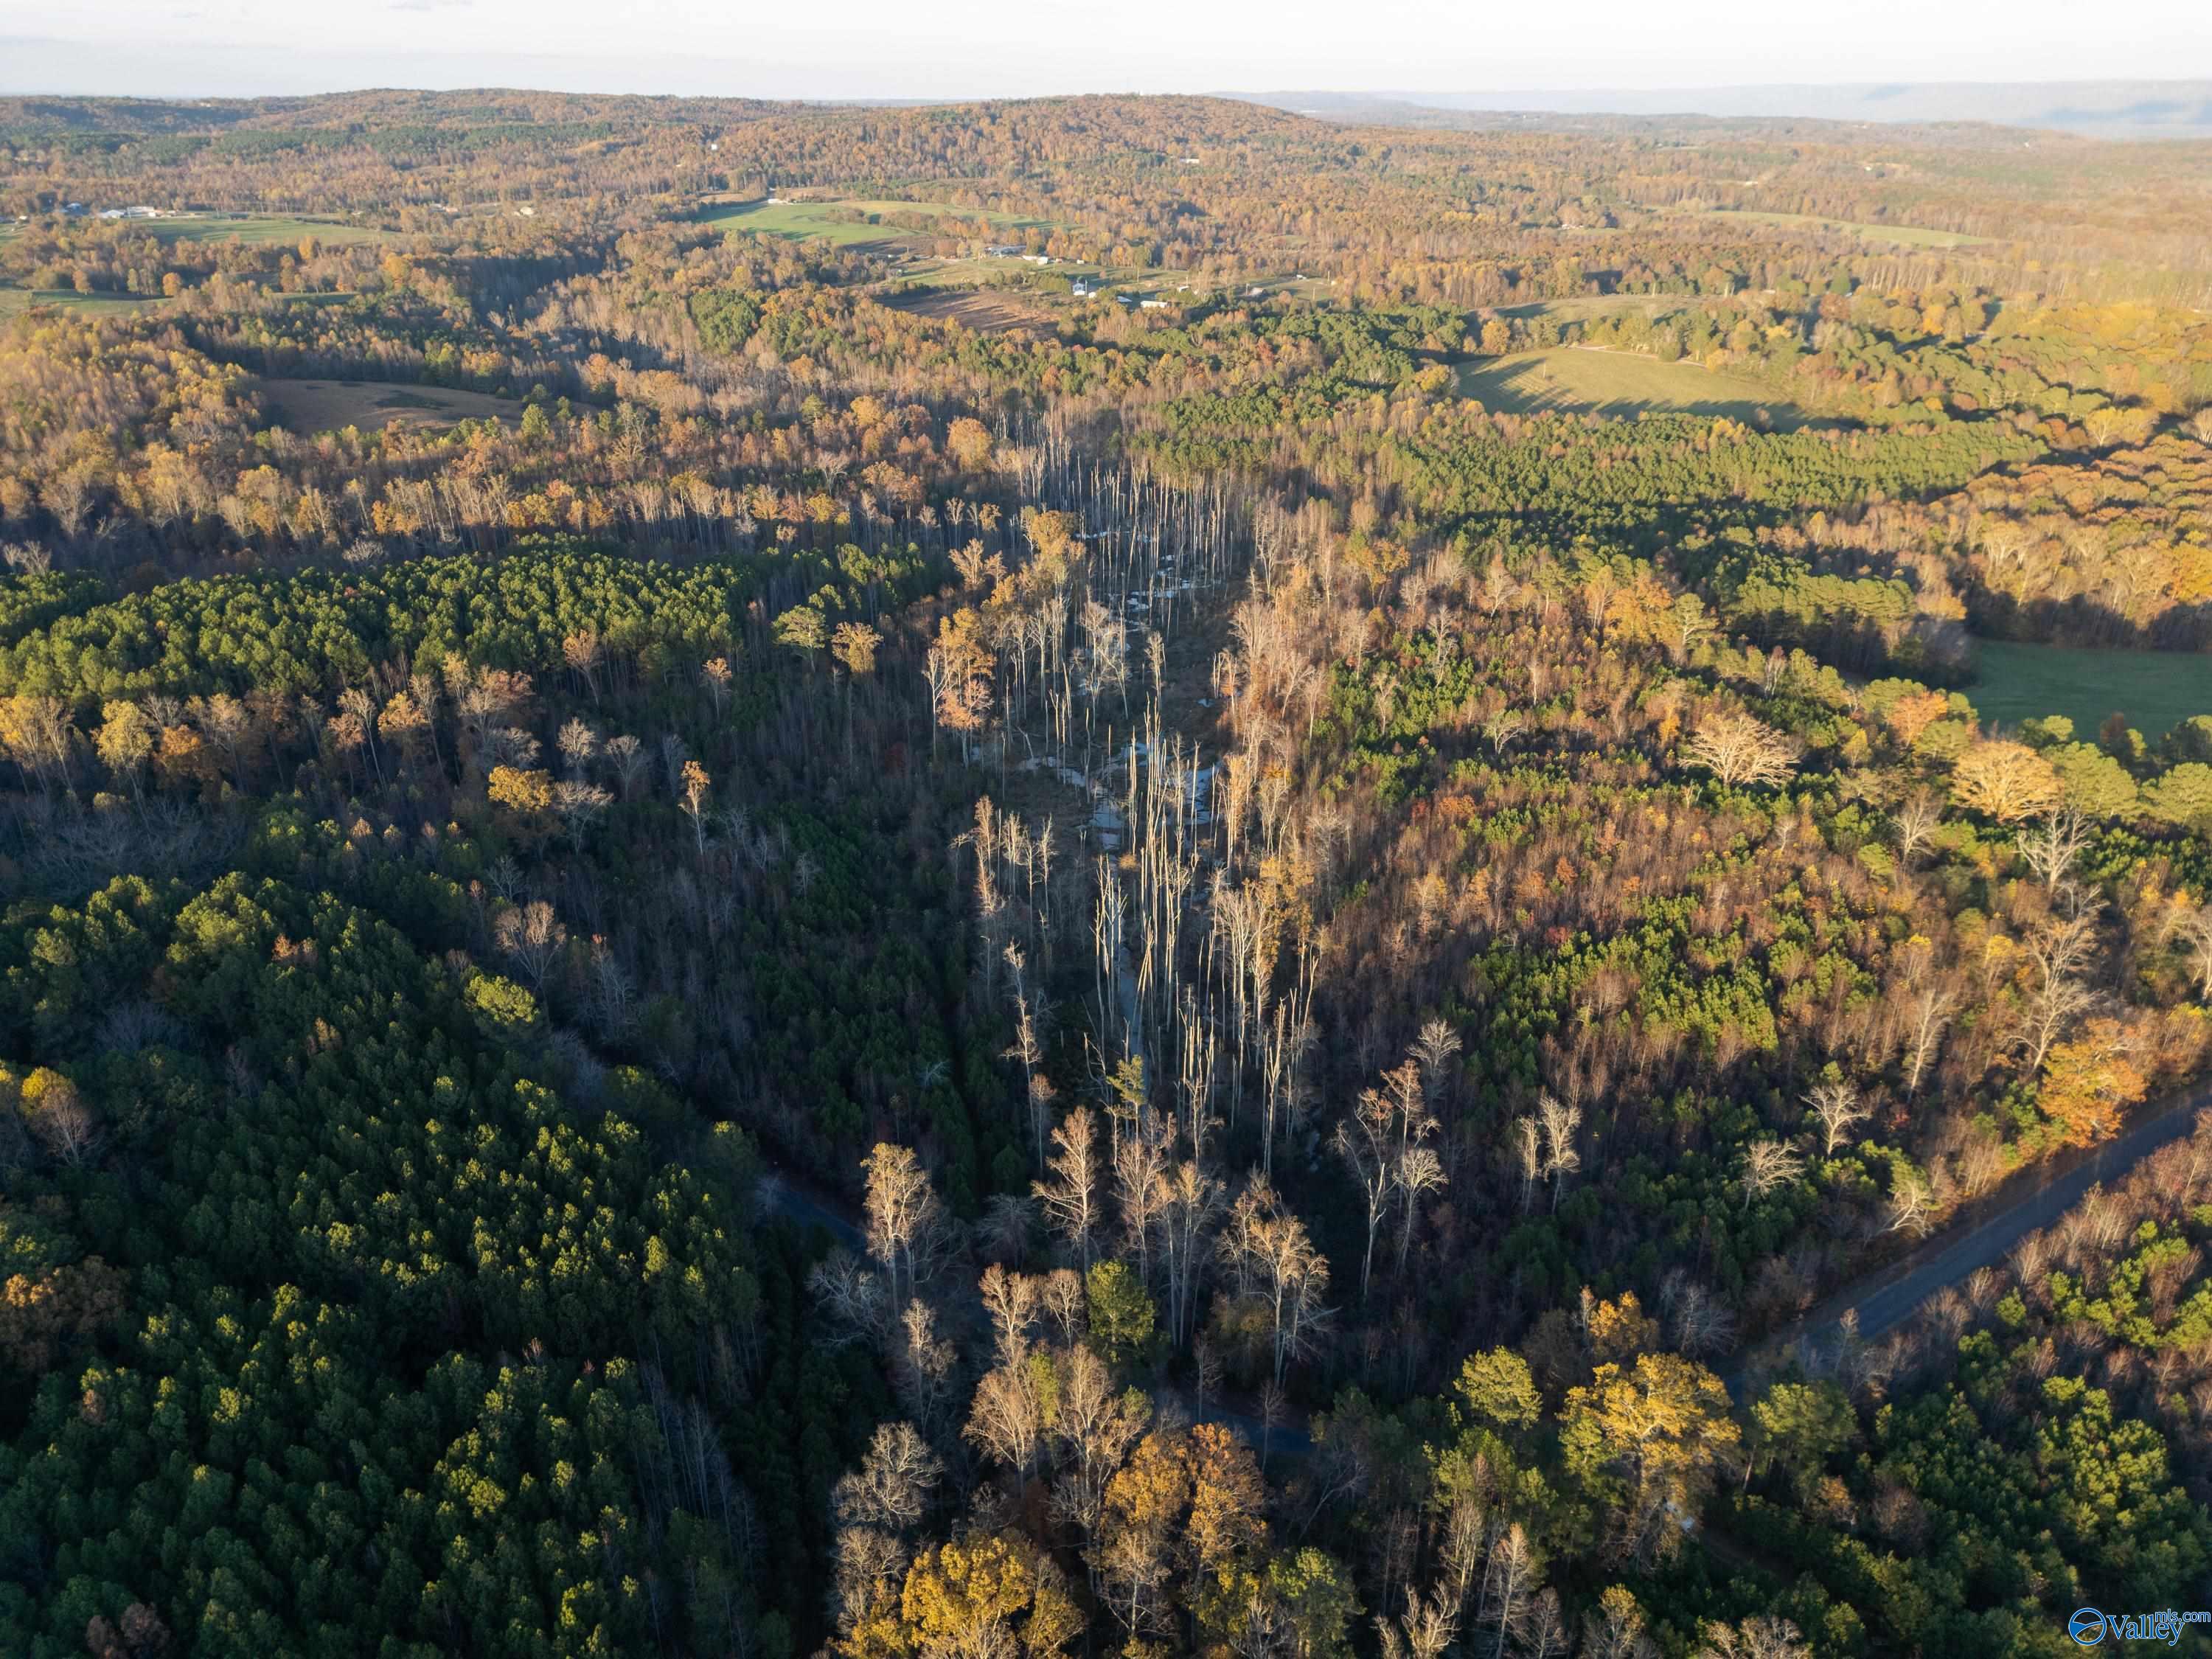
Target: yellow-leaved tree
1647 1442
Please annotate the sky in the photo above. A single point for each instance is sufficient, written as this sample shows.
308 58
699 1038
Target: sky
951 49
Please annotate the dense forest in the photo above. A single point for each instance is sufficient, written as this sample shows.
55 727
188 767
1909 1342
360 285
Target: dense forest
905 883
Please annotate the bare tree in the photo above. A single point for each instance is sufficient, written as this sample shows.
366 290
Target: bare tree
1012 1302
1063 1298
1271 1252
2052 846
2059 952
1615 1628
1466 1540
61 1121
1096 1424
1504 729
1003 1234
893 1485
1070 1199
852 1298
1006 1420
1914 824
1419 1170
1912 1203
1761 1638
2195 930
1927 1016
1698 1322
1561 1158
923 1365
1768 1166
905 1220
1433 1050
1189 1200
1508 1585
1362 1141
1836 1105
1544 1634
1141 1165
627 757
532 937
578 805
1430 1624
1741 749
877 1506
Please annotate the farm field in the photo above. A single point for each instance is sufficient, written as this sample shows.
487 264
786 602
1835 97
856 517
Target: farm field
2156 690
988 310
255 229
1617 383
15 300
802 221
1901 235
1581 307
326 405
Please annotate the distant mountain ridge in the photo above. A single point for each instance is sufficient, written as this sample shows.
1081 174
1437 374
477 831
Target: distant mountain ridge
2094 109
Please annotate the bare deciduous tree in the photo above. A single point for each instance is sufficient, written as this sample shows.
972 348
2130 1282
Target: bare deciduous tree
1741 749
1070 1199
1561 1157
1768 1166
1837 1107
2058 953
1762 1637
905 1220
1912 1203
1915 822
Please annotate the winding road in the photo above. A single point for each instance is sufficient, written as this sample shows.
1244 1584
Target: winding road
1885 1297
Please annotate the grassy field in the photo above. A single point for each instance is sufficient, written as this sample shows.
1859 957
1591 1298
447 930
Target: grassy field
256 227
327 405
1583 307
802 221
15 300
252 228
1902 235
1617 383
2156 690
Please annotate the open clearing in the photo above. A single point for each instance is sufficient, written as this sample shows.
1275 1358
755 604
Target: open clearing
13 300
1583 381
984 310
804 221
2156 690
255 228
1581 307
327 405
1904 235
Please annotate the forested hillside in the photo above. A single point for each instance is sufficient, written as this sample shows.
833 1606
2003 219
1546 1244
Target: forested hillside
1101 876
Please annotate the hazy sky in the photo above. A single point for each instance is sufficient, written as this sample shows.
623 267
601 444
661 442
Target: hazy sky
917 49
